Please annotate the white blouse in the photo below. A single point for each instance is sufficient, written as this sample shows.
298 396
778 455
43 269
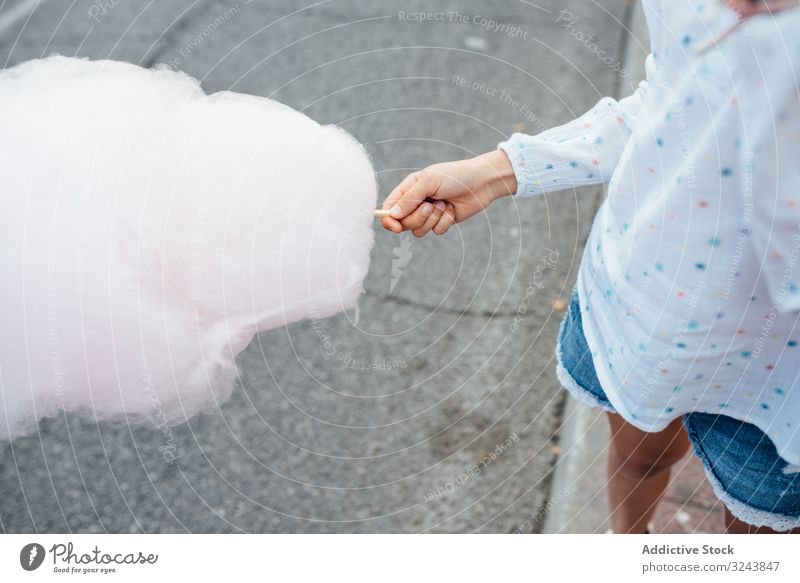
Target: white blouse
689 286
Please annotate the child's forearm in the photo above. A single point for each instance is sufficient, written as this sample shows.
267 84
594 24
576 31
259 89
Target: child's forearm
441 195
499 174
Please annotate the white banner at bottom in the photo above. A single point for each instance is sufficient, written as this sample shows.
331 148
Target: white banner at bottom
400 558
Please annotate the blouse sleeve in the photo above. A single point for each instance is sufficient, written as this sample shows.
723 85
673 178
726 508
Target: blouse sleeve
583 151
767 95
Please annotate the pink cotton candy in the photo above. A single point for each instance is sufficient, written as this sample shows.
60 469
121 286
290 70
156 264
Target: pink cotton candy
148 231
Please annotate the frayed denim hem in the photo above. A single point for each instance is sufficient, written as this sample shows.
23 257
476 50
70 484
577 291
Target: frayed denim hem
568 381
578 392
741 510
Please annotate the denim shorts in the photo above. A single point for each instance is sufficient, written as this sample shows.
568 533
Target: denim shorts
745 470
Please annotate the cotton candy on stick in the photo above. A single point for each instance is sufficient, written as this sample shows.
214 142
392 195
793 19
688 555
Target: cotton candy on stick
148 231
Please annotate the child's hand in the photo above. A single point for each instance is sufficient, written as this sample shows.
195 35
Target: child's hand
444 194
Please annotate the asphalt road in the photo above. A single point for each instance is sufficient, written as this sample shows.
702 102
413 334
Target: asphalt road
433 411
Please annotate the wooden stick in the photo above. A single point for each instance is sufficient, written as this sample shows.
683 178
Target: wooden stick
380 213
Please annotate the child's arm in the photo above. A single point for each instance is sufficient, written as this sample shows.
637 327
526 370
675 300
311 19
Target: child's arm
583 151
458 190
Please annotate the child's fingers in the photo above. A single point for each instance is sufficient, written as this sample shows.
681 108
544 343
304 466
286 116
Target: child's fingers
447 220
390 223
410 199
417 218
438 209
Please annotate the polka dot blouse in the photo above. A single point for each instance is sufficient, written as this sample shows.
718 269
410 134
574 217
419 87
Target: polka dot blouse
690 284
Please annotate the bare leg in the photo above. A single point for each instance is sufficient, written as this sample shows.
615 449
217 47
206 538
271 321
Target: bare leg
638 470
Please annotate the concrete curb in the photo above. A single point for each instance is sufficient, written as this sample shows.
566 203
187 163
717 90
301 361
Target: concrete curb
576 504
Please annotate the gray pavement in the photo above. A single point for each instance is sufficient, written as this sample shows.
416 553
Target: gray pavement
431 412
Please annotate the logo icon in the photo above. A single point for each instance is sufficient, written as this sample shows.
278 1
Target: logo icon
403 255
31 556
